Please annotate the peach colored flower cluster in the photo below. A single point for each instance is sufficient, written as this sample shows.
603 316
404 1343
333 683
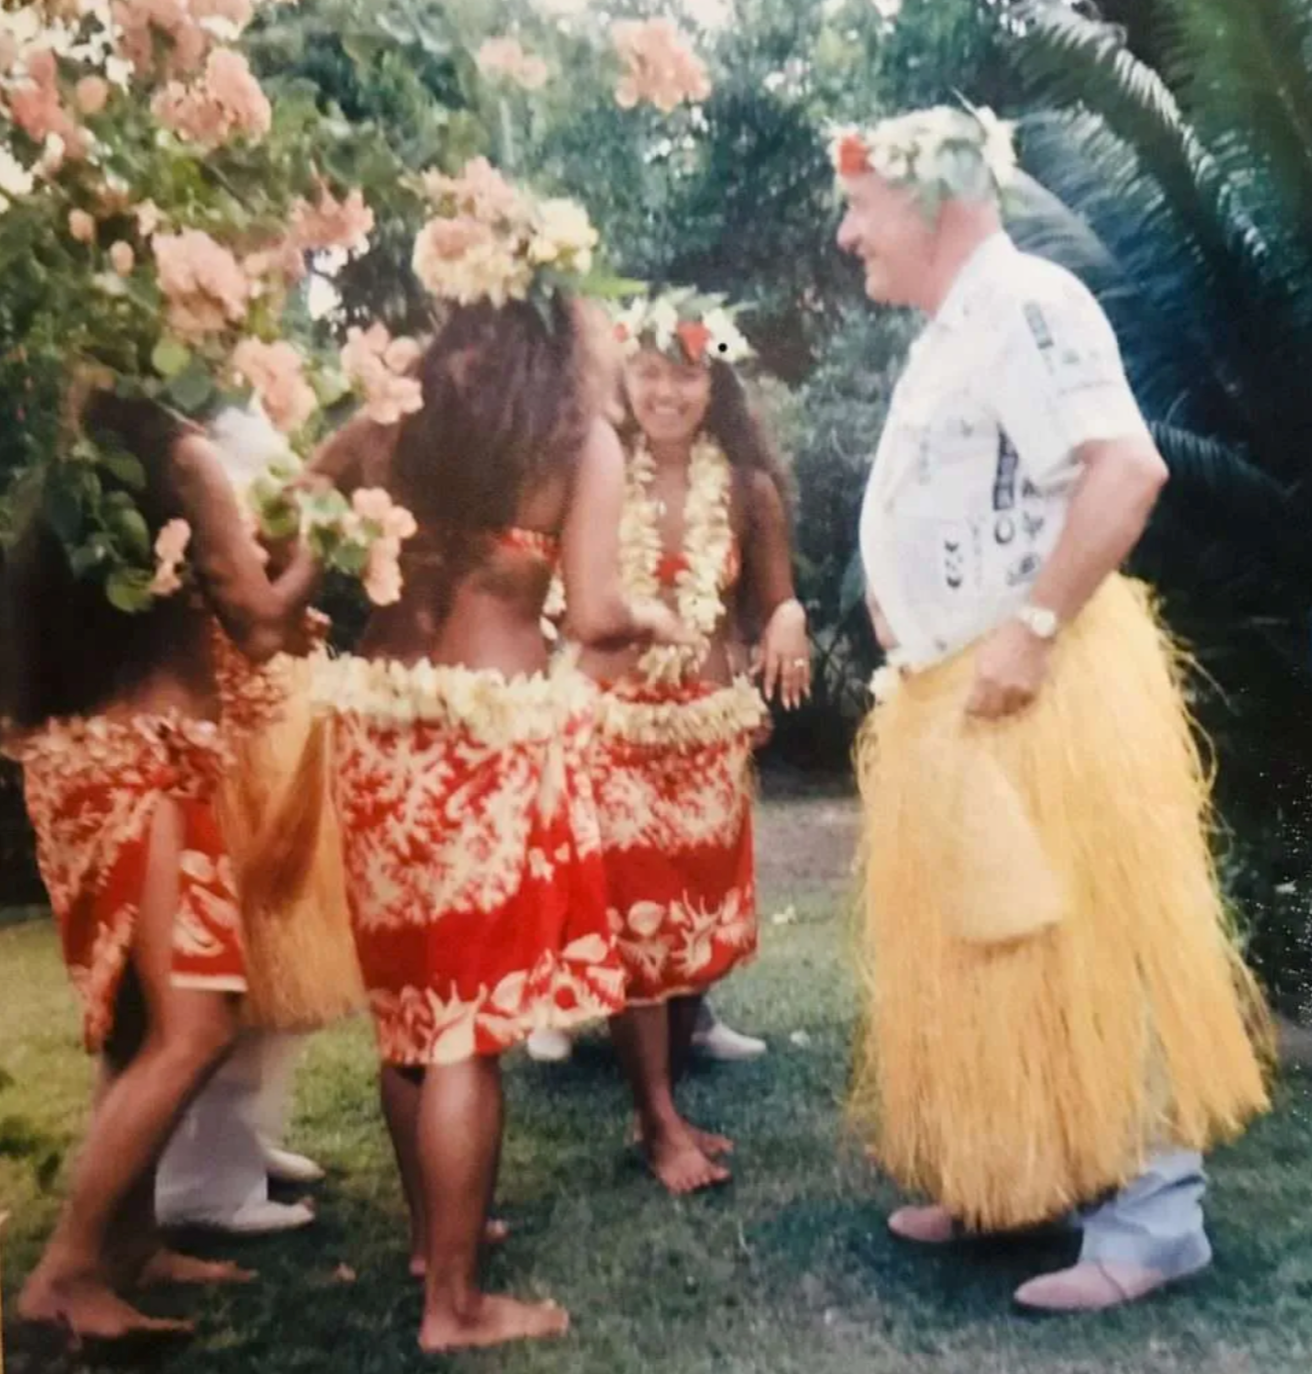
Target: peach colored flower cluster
464 261
660 66
332 223
379 366
170 549
471 250
227 103
283 260
81 226
276 373
479 192
506 58
141 23
204 286
92 94
188 30
38 109
487 239
388 526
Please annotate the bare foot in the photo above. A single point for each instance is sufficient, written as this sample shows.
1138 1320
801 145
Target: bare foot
493 1321
495 1233
711 1145
167 1266
89 1311
677 1161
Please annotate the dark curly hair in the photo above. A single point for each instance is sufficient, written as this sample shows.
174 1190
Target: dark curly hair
66 651
508 398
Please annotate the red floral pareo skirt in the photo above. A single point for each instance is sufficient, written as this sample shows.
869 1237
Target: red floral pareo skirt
672 771
473 865
92 788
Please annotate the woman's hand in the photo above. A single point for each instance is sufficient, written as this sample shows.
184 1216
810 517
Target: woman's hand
784 656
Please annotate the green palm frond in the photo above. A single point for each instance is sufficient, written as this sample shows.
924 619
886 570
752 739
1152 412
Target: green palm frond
1225 530
1076 61
1242 70
1142 265
1252 288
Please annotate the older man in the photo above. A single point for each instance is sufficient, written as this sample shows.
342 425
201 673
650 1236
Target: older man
1057 1022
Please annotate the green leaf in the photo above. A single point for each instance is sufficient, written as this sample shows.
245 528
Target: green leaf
87 558
170 357
351 559
127 467
191 389
128 590
63 513
608 286
330 386
132 529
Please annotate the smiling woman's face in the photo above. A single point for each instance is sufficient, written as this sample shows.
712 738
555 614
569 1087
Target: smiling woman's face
669 400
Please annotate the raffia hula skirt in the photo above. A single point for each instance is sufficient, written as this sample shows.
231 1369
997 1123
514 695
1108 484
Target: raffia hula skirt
301 966
1052 991
473 866
672 770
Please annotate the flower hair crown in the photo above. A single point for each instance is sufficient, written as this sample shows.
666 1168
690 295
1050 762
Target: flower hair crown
943 153
684 325
490 240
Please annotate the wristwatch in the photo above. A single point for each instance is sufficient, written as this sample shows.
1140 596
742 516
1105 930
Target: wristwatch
1040 622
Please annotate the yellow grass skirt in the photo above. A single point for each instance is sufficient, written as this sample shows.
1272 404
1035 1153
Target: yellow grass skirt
301 965
1052 992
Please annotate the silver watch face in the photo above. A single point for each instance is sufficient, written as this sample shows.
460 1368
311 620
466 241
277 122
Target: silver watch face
1042 622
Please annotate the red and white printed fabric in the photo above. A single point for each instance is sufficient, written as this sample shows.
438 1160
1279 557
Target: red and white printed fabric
672 772
473 863
92 789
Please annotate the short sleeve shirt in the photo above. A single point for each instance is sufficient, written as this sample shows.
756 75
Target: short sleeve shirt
978 461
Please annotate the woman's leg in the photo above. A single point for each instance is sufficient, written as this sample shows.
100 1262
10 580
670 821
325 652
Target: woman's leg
400 1089
684 1012
187 1034
460 1122
685 1016
642 1037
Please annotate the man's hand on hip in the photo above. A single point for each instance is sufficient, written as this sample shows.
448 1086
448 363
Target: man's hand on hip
1011 666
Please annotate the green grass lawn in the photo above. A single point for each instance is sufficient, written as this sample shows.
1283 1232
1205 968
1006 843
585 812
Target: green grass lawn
788 1270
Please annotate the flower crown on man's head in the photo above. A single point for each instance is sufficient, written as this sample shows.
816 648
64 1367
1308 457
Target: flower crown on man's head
943 153
492 241
684 325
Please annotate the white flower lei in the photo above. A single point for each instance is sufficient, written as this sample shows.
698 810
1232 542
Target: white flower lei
707 547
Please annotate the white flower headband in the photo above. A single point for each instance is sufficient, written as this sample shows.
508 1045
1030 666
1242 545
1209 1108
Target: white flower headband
943 153
684 325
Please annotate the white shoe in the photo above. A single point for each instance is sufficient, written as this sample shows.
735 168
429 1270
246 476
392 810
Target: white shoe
1095 1286
253 1219
728 1046
285 1166
549 1047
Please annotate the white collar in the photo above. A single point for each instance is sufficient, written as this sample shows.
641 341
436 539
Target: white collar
976 270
